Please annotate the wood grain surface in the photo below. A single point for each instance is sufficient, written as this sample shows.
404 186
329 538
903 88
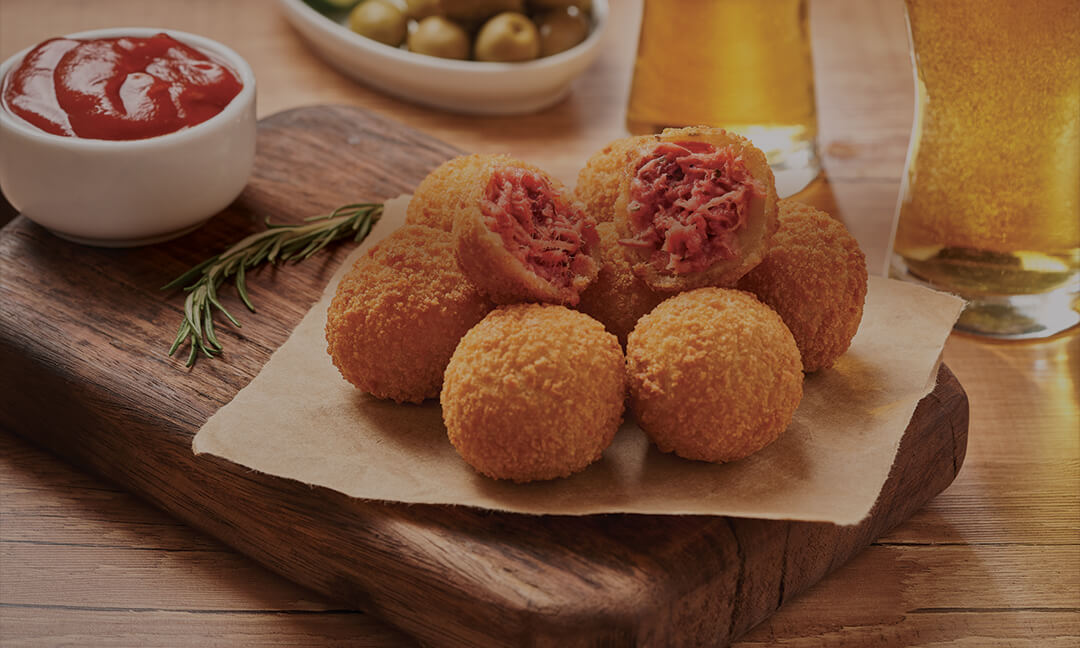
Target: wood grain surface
993 561
89 380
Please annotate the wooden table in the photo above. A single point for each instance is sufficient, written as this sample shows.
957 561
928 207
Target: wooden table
993 561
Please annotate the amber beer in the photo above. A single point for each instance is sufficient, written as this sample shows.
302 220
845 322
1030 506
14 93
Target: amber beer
990 205
740 64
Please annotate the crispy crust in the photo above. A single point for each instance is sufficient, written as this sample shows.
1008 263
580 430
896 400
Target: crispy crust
714 375
753 241
481 253
430 205
534 391
398 314
598 182
618 298
814 275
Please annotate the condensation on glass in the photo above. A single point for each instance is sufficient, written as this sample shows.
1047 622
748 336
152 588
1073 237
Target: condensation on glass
990 203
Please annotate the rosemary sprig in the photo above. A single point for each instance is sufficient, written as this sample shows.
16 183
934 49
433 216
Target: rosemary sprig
276 243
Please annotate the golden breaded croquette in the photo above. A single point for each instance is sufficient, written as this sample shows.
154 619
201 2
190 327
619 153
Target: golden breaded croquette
618 297
534 391
598 182
398 314
696 207
814 275
520 235
429 204
714 374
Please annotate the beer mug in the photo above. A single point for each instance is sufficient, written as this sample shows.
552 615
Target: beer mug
743 65
989 206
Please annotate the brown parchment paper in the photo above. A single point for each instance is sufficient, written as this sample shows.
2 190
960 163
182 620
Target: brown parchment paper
300 420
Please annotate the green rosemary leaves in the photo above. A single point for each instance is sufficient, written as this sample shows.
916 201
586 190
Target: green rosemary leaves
276 243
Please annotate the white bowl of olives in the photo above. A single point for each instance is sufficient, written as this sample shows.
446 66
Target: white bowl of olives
480 57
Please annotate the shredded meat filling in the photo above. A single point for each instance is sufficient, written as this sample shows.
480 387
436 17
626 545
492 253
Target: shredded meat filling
688 202
543 230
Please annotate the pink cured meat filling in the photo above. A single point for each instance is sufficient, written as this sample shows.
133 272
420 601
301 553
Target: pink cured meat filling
540 228
688 202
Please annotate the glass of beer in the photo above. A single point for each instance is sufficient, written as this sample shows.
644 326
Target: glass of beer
743 65
989 206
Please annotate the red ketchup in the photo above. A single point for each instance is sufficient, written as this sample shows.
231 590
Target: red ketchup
118 88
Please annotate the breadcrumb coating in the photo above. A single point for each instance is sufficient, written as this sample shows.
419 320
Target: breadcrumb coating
714 375
534 391
398 314
618 298
430 204
482 254
598 182
814 275
751 241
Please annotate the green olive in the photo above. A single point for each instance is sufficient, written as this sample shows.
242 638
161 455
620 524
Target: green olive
437 36
543 5
508 37
420 9
332 6
379 20
560 30
479 9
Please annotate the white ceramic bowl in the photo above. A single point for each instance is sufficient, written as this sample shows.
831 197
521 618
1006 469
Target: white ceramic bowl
131 192
469 87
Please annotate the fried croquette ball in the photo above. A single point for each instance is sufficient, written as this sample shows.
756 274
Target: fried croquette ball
714 375
429 205
618 298
520 235
399 312
814 276
696 207
598 182
534 391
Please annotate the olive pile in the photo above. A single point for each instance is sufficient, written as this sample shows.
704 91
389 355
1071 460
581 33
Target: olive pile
481 30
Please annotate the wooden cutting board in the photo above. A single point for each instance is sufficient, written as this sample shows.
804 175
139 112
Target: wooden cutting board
83 336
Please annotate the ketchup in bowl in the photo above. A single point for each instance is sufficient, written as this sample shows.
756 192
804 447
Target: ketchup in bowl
125 88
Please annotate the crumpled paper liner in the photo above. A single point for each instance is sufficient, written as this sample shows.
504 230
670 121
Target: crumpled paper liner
299 419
